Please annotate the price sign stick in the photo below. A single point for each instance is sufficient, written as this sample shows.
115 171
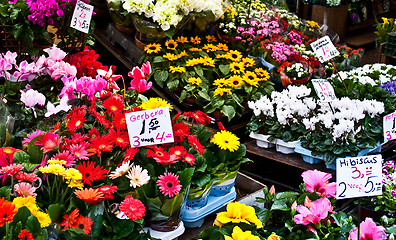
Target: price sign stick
332 110
359 220
332 63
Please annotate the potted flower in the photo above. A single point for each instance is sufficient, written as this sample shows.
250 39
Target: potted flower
122 20
295 73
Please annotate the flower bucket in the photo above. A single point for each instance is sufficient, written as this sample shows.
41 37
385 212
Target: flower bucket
262 140
198 197
286 147
266 64
224 184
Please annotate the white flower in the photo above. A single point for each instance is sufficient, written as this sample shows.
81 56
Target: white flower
138 176
121 170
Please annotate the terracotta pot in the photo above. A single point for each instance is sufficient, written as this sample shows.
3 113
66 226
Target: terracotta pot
218 115
141 45
124 29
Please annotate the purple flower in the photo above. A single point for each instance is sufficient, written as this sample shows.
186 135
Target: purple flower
394 193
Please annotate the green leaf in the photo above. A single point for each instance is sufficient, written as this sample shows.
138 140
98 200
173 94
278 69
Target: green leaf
202 180
228 111
21 157
172 85
204 95
27 36
279 205
17 30
185 176
199 71
33 225
225 69
22 215
5 193
160 77
338 150
55 211
158 59
35 153
172 205
122 227
285 195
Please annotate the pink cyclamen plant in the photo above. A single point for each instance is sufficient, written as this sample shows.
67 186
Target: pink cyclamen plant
139 76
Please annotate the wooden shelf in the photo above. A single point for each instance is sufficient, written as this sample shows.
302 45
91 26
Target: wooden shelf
361 39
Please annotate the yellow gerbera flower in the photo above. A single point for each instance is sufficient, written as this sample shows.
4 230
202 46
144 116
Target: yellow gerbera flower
211 38
73 174
195 80
155 103
194 49
248 62
29 202
222 56
221 82
179 69
55 169
221 91
222 47
170 56
251 78
193 62
273 236
43 218
182 39
236 213
57 161
210 47
208 61
239 234
237 67
171 44
152 48
76 184
234 55
235 81
195 40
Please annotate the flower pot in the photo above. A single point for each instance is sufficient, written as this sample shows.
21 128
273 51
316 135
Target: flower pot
127 30
139 44
198 196
147 30
267 65
262 140
285 147
224 184
167 235
218 115
165 226
307 155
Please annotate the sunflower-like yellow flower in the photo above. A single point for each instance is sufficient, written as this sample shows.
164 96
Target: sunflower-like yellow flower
251 78
152 48
170 56
237 67
171 44
386 21
195 40
209 47
178 69
29 202
235 81
222 47
238 213
193 62
221 82
182 54
262 74
208 61
248 62
234 55
155 103
221 91
226 141
56 161
194 49
273 236
239 234
182 39
211 38
43 218
195 80
73 174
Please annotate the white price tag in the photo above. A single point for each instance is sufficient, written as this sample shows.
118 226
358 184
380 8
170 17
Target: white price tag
324 90
149 127
359 176
389 127
82 16
324 49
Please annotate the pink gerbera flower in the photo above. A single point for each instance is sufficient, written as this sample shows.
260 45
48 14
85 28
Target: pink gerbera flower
169 184
67 157
25 189
48 141
319 181
368 230
11 169
30 136
79 151
188 157
133 208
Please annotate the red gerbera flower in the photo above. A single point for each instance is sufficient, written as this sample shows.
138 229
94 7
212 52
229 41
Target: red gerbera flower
7 210
89 195
102 119
114 105
132 208
83 223
93 133
48 142
75 118
160 155
79 151
177 151
28 177
25 235
7 155
69 219
78 137
180 132
107 191
119 121
119 138
99 145
169 184
189 158
130 154
193 140
11 170
90 172
65 156
198 116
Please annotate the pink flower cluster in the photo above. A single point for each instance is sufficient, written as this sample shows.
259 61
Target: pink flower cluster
43 12
280 51
295 37
139 76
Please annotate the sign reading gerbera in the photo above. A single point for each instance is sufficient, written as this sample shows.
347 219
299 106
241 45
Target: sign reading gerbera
324 49
149 127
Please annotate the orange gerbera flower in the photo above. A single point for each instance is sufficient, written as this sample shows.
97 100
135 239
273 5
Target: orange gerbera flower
89 195
99 145
7 210
119 138
25 235
84 223
69 219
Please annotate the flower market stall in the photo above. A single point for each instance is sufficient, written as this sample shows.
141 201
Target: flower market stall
151 124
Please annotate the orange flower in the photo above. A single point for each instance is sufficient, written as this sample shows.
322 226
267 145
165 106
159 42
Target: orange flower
7 210
69 219
84 223
89 195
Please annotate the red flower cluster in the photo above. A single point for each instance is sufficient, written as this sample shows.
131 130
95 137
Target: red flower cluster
96 195
133 208
86 63
75 220
7 210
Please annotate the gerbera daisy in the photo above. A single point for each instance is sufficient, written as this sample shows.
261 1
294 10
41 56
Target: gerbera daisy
195 80
43 218
107 191
30 136
155 103
119 138
48 142
73 174
28 177
171 44
177 151
78 138
89 195
221 82
55 169
100 145
67 157
7 210
237 67
119 121
188 157
178 69
130 153
182 39
160 155
11 170
182 54
195 40
210 47
114 105
234 55
24 189
83 223
194 49
261 72
121 170
25 235
226 141
79 151
138 176
90 172
235 81
169 184
70 219
221 91
211 38
133 208
193 140
180 132
248 62
251 78
94 132
198 117
75 118
222 47
29 202
152 48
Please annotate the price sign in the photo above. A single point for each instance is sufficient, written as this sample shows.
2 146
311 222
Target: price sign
389 126
324 90
324 49
359 176
82 16
149 127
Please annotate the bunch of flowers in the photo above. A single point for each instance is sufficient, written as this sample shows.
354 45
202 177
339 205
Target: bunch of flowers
390 86
86 63
388 25
216 77
374 74
349 58
296 73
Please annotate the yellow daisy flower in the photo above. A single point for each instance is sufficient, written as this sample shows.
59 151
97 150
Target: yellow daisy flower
193 62
73 174
237 67
221 91
57 161
251 78
155 103
195 40
222 47
261 73
194 49
182 39
179 69
29 202
234 55
182 54
210 47
43 218
236 212
239 234
195 80
211 38
76 184
273 236
222 56
248 62
208 61
221 82
171 44
152 48
235 81
170 56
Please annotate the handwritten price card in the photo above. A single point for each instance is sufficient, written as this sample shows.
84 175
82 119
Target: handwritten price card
324 49
82 16
324 90
389 126
359 176
149 127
